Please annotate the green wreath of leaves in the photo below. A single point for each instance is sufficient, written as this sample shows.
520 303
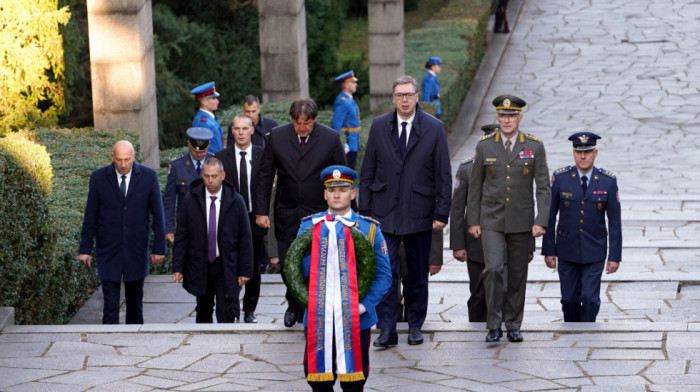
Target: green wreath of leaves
364 257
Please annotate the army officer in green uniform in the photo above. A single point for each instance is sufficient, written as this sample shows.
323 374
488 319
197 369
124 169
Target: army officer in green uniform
501 210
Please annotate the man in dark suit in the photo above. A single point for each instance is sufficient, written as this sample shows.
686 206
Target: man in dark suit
582 195
501 211
181 172
121 200
262 125
241 163
297 152
213 250
405 185
465 247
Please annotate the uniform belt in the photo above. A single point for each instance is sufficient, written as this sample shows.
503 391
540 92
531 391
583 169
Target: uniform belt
355 129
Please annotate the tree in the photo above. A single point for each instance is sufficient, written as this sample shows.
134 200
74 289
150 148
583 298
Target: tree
31 63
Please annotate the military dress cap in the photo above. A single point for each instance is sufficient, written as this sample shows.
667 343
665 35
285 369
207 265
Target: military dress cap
350 75
432 61
338 175
199 137
205 90
508 104
490 128
584 141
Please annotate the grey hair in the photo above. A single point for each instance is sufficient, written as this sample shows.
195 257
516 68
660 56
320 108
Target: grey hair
403 80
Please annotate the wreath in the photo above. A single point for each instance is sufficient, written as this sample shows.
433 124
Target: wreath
365 260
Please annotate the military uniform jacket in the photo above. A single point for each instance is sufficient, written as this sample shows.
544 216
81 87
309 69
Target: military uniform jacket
206 120
459 238
180 175
346 116
406 194
581 235
501 196
382 278
431 90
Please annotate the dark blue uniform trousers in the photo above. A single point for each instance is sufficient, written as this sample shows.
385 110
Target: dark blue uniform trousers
417 247
580 290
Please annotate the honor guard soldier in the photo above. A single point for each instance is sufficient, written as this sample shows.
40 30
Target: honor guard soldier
346 115
583 195
338 322
208 101
430 85
501 211
181 172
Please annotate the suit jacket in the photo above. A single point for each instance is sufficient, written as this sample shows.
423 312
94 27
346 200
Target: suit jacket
229 158
121 225
581 235
299 186
459 236
262 128
500 196
190 249
406 194
180 175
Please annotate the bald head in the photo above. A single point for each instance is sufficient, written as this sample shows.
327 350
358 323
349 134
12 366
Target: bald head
123 156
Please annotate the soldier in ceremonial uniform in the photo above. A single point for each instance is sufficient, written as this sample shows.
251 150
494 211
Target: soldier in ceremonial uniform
181 172
326 318
465 247
208 101
500 211
430 85
346 116
583 195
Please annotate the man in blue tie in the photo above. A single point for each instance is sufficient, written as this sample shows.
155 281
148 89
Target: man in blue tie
583 195
213 250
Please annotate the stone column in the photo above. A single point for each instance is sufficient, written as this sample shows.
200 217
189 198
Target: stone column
283 63
123 70
386 50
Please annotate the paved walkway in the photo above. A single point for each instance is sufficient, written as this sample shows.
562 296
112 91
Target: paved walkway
626 70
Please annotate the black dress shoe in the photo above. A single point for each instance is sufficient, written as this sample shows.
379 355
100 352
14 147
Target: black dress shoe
387 338
250 317
515 336
290 317
414 336
494 335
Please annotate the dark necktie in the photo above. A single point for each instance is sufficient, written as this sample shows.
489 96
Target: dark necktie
122 186
302 140
212 230
584 183
199 168
244 181
508 144
402 139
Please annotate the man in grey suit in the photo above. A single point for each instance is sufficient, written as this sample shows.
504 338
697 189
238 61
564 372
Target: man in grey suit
500 210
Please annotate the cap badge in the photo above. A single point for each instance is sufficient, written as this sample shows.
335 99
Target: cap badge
583 139
506 102
336 174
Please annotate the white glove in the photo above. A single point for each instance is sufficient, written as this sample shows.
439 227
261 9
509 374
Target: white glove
362 309
347 148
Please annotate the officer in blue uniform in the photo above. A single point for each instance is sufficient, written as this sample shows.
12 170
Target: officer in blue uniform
208 101
583 195
346 115
181 172
339 192
430 85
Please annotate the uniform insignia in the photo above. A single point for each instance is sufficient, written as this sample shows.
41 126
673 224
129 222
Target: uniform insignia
522 138
566 204
342 98
533 137
595 177
369 219
599 192
583 138
456 182
306 218
465 161
600 206
385 249
567 194
488 136
506 102
526 154
573 175
562 170
607 173
526 171
490 160
188 163
336 174
203 119
492 170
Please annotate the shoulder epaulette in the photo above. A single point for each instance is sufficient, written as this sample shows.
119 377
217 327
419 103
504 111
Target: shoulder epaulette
533 137
369 219
178 157
607 172
488 136
306 218
562 170
465 161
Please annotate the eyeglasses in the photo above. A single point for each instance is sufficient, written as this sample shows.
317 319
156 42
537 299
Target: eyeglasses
401 96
